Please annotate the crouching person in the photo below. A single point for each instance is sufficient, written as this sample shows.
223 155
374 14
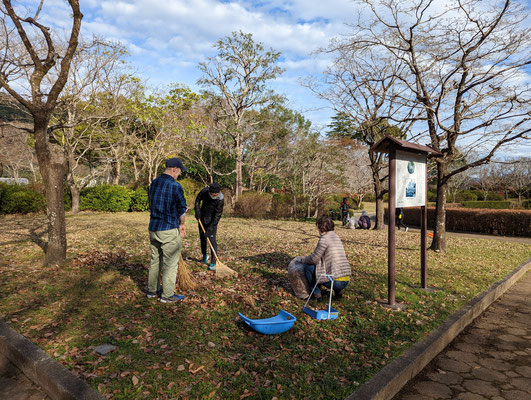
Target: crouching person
328 258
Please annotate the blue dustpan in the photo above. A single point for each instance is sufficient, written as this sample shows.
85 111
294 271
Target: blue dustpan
329 313
271 326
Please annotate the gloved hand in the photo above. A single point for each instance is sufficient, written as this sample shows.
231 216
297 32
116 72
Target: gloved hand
197 215
209 232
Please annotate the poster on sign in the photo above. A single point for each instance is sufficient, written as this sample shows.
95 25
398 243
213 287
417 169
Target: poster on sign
410 179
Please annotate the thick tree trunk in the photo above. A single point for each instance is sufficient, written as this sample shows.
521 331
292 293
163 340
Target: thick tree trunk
116 171
439 234
52 167
75 192
378 193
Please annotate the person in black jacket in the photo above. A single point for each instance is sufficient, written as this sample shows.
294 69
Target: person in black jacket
208 208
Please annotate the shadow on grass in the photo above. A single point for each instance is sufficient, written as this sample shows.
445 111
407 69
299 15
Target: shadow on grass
268 264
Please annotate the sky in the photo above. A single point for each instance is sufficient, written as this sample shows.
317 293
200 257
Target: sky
167 39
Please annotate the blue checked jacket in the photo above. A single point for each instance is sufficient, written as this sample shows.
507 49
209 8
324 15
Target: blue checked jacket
166 202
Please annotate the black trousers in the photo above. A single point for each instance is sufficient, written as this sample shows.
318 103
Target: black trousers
212 236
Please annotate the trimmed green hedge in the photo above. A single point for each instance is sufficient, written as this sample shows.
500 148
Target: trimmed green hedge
484 221
16 199
140 200
497 205
106 198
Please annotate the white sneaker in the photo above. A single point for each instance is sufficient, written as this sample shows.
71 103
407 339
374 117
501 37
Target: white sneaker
407 228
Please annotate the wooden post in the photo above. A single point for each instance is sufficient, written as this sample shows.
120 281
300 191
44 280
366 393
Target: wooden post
391 230
423 234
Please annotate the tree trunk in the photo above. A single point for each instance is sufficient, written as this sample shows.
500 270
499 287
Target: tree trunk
439 234
52 167
75 192
116 171
378 194
239 185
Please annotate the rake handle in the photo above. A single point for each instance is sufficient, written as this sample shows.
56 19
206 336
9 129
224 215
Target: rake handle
208 240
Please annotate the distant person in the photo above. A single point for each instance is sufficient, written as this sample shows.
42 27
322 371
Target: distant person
166 231
328 258
364 222
208 208
344 207
399 218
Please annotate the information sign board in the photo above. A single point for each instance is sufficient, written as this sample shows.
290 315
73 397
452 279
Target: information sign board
410 179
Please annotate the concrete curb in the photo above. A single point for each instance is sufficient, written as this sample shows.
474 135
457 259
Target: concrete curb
55 380
394 376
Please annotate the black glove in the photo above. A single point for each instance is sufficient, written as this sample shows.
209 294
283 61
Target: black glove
197 215
209 232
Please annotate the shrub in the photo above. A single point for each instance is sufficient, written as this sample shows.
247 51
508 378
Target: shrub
140 200
191 189
526 204
252 205
466 195
499 205
106 198
432 196
280 206
485 221
20 199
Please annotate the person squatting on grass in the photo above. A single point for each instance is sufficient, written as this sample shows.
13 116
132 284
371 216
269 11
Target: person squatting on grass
166 231
328 258
208 208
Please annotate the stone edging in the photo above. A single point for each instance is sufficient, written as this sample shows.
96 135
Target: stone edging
388 382
55 380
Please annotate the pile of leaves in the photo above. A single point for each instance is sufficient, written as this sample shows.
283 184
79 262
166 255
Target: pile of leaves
199 348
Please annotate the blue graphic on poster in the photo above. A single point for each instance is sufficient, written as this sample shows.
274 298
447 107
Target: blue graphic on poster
411 189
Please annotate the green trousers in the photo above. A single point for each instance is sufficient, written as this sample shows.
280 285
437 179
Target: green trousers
166 249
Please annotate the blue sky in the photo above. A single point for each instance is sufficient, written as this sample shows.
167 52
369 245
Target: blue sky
168 38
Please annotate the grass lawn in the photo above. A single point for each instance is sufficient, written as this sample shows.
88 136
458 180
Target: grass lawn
199 348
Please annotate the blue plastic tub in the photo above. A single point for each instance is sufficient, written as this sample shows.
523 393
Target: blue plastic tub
271 326
321 314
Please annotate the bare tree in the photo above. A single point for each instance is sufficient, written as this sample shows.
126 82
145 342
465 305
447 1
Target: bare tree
88 100
464 64
362 87
519 177
29 55
239 73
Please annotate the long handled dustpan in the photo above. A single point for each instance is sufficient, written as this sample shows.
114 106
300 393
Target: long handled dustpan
329 313
222 271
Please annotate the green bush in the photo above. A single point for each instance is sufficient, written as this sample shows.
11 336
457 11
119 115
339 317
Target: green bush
432 196
20 199
526 204
191 189
281 205
140 200
498 205
106 198
465 195
252 205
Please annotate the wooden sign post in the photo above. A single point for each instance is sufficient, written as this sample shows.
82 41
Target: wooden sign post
407 188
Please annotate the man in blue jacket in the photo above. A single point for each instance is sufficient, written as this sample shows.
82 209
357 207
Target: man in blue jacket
166 231
208 208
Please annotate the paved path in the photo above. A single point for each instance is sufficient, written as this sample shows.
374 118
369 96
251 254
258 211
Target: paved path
490 359
15 386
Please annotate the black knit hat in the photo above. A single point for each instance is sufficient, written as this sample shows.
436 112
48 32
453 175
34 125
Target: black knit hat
214 188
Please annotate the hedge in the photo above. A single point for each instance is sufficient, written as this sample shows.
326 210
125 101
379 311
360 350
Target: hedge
106 198
140 200
20 199
484 221
498 205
